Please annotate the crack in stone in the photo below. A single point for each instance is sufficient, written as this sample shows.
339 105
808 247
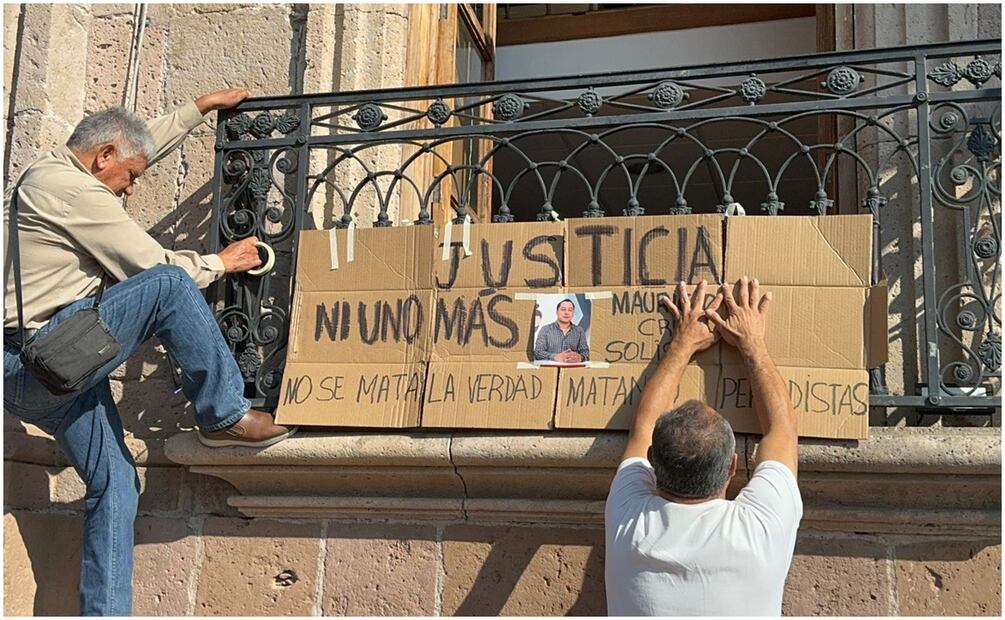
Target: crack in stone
464 500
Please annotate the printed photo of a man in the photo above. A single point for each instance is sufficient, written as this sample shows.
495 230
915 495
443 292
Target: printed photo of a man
563 340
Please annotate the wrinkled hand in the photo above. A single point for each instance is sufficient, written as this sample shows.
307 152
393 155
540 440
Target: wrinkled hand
743 326
221 99
692 332
240 256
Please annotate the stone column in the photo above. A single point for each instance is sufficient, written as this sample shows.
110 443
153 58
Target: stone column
355 47
45 82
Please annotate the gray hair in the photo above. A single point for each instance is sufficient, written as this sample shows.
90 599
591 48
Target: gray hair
117 126
693 447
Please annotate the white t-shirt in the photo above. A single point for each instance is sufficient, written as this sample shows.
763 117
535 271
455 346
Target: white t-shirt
716 558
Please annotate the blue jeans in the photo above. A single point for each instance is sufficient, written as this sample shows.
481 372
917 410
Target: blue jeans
162 301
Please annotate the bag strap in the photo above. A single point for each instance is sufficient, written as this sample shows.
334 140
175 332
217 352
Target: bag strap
16 249
17 257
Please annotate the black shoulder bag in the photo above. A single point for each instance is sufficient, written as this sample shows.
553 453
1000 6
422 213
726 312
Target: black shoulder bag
66 357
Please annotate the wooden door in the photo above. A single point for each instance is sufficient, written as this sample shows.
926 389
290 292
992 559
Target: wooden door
452 44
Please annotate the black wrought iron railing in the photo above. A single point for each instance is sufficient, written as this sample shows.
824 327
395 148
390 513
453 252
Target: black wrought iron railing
911 135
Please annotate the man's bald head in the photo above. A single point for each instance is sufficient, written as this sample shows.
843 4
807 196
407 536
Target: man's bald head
692 452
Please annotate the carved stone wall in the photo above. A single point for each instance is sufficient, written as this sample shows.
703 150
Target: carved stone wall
907 523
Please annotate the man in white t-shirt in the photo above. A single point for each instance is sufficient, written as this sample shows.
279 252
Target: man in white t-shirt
675 545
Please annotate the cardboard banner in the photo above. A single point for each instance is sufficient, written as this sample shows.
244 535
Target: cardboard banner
478 325
373 395
384 259
631 326
367 327
559 324
488 395
652 250
606 398
828 402
514 256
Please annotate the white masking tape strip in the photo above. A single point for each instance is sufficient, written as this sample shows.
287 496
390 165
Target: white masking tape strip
447 233
525 296
536 365
466 235
333 248
350 242
599 295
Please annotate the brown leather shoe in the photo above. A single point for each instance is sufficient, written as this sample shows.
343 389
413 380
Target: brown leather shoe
255 430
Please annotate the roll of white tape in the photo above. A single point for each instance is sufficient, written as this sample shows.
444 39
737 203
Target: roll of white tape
269 263
735 208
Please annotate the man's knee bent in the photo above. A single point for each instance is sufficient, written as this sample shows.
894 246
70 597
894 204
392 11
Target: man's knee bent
168 271
173 275
114 478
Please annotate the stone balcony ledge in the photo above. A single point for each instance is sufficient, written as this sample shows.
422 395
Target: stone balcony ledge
901 480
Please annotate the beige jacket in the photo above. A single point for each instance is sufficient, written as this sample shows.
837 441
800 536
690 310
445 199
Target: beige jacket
72 229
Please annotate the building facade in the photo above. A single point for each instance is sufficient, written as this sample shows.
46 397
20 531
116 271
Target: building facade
478 522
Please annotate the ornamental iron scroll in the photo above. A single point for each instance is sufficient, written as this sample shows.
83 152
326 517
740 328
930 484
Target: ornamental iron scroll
669 141
255 193
966 186
261 125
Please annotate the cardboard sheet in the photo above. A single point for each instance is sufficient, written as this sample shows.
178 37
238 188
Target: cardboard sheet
651 250
831 403
483 325
816 327
831 250
365 327
605 398
384 259
524 255
346 394
629 325
489 395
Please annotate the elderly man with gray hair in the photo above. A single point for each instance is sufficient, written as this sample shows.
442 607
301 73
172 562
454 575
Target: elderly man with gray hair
72 236
675 545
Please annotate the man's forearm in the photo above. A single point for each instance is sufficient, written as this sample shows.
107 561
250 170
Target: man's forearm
771 402
659 393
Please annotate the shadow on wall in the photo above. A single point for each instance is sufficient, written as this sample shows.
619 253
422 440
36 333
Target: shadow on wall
523 571
42 553
45 547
